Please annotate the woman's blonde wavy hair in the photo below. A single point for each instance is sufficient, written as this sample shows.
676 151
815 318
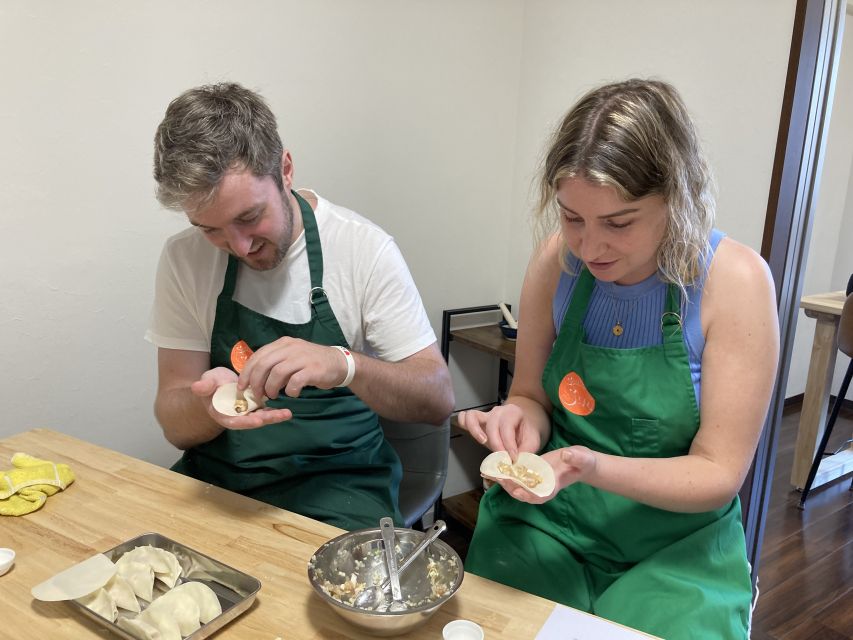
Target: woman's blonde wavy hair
637 137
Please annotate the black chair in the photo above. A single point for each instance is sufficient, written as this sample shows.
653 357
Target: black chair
423 450
845 345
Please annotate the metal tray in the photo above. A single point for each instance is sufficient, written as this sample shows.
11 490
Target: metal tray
236 590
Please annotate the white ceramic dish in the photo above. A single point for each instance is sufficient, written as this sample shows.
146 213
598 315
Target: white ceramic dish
7 559
462 630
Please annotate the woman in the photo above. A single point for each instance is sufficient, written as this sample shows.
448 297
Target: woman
646 356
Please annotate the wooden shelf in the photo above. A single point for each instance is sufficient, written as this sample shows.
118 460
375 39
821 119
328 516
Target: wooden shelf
488 339
464 507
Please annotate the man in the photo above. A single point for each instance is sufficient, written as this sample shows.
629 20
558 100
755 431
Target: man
320 294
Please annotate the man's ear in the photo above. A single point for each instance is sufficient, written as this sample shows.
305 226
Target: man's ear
286 170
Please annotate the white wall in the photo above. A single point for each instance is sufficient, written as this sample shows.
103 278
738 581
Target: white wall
404 111
728 59
427 116
830 256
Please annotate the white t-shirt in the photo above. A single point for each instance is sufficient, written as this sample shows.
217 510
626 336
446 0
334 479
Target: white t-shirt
365 277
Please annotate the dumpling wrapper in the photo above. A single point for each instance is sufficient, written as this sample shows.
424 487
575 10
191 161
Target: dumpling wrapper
139 575
101 603
489 469
226 395
176 606
208 603
81 579
122 593
164 563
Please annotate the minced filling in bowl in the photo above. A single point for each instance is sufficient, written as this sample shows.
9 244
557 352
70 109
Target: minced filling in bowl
344 566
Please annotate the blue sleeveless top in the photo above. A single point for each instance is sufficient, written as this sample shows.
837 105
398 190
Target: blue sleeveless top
638 308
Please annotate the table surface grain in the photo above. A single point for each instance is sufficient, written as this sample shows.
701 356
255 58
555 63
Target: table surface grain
116 497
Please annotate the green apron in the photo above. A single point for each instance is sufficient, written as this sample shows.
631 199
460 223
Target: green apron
330 461
674 575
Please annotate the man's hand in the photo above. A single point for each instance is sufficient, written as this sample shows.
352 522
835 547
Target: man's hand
213 379
289 365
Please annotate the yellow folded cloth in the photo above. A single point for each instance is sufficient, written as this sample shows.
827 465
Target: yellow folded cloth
24 488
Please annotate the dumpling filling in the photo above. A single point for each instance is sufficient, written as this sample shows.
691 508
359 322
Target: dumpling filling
528 477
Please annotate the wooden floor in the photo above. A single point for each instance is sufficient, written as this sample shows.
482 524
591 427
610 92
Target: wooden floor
805 576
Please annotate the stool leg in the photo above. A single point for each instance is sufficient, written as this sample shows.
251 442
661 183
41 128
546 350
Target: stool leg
826 433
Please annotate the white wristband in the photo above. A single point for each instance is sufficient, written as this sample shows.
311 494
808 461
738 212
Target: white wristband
350 365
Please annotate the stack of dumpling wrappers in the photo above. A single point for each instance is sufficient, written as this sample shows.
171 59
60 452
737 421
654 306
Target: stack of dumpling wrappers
177 613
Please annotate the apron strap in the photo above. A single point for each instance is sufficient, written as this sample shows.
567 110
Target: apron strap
312 242
671 322
580 299
320 307
230 278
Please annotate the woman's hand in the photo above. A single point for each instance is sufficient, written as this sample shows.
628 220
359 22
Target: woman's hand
504 428
571 464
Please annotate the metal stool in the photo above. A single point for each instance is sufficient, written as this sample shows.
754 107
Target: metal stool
423 450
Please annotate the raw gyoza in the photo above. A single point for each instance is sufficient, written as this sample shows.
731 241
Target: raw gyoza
101 603
165 564
122 593
174 607
178 612
139 575
208 603
530 471
139 628
166 626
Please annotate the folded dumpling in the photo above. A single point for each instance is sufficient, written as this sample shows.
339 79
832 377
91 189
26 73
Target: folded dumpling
164 563
173 606
167 627
208 604
139 628
139 575
122 593
101 603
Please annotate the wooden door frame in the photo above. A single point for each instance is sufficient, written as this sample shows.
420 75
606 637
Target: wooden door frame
800 147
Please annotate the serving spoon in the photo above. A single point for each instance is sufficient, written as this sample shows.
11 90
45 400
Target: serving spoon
372 597
388 541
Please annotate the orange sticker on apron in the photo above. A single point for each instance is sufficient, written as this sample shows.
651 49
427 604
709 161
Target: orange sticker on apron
574 396
240 352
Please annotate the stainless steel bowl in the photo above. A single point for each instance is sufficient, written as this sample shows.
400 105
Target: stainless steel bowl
345 565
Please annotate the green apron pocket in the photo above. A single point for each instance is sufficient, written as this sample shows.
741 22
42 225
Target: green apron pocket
645 437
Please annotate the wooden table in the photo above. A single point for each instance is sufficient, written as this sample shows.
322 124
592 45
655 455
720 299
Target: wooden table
116 497
826 309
